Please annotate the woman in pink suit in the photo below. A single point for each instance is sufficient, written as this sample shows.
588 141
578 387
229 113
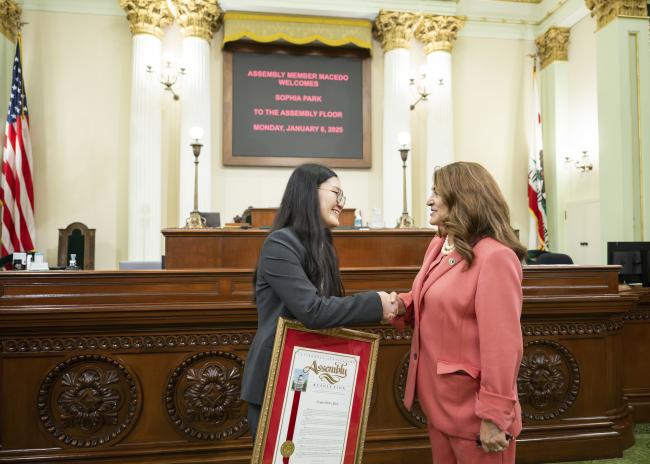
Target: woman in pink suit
464 308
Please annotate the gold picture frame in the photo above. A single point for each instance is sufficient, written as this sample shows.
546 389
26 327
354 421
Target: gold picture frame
292 337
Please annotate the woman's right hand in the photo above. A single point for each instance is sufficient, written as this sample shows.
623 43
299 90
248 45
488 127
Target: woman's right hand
493 440
390 307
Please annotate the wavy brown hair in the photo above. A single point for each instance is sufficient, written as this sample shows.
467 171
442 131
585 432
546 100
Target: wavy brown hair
477 208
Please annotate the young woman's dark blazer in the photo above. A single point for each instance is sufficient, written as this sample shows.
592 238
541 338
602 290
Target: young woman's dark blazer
283 289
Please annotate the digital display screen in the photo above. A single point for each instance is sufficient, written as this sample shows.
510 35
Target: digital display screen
286 105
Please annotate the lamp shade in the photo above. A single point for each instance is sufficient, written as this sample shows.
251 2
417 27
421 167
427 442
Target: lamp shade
404 140
196 133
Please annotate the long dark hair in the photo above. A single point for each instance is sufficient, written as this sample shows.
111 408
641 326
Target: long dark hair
300 211
477 208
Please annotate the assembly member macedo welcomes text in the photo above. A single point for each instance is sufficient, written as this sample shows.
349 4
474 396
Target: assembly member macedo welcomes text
298 79
298 75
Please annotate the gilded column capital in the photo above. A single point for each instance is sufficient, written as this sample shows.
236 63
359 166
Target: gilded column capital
10 18
606 10
147 16
199 18
394 29
553 45
438 32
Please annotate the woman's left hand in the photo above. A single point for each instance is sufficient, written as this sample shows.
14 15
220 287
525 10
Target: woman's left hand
401 309
493 440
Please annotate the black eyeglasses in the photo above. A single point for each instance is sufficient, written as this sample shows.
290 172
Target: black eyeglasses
340 198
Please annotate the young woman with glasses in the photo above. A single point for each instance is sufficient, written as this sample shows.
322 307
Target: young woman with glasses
298 277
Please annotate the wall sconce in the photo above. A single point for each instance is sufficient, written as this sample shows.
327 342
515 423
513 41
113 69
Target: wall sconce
420 87
169 74
582 164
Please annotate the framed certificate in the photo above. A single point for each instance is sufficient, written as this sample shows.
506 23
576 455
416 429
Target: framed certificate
317 396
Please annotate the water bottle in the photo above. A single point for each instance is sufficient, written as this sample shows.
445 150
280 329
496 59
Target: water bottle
358 222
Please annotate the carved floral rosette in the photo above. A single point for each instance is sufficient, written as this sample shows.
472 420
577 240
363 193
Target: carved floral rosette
548 381
202 396
88 401
415 416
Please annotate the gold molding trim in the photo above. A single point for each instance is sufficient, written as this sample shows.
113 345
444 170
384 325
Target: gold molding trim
10 13
606 11
553 45
394 29
438 33
296 19
147 16
199 18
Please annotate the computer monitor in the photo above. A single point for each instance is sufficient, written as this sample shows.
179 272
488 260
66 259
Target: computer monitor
212 219
634 259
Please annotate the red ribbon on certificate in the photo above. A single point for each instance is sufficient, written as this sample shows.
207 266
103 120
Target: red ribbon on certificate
292 422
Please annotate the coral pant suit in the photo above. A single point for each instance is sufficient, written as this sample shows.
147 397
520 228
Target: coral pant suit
466 348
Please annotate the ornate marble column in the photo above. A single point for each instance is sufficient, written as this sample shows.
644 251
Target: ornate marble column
623 71
146 19
552 51
394 29
199 19
438 34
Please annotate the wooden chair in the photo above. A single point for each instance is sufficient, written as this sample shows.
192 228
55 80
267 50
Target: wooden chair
77 239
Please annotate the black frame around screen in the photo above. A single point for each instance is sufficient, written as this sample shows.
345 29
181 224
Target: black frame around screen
349 158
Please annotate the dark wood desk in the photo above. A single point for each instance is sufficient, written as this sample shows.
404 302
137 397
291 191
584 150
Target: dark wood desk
239 248
118 366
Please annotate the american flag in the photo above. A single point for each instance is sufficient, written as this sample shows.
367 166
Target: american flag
16 187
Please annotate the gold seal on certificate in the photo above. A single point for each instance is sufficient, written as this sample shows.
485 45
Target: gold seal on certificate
287 449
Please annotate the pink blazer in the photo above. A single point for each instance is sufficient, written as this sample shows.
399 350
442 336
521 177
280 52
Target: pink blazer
467 343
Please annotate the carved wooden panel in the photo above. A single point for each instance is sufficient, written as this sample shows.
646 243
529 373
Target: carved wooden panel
636 375
73 344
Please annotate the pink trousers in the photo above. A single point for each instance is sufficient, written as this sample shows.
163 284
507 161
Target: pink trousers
453 450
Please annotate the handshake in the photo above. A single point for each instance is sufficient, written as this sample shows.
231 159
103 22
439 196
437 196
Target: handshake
393 306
